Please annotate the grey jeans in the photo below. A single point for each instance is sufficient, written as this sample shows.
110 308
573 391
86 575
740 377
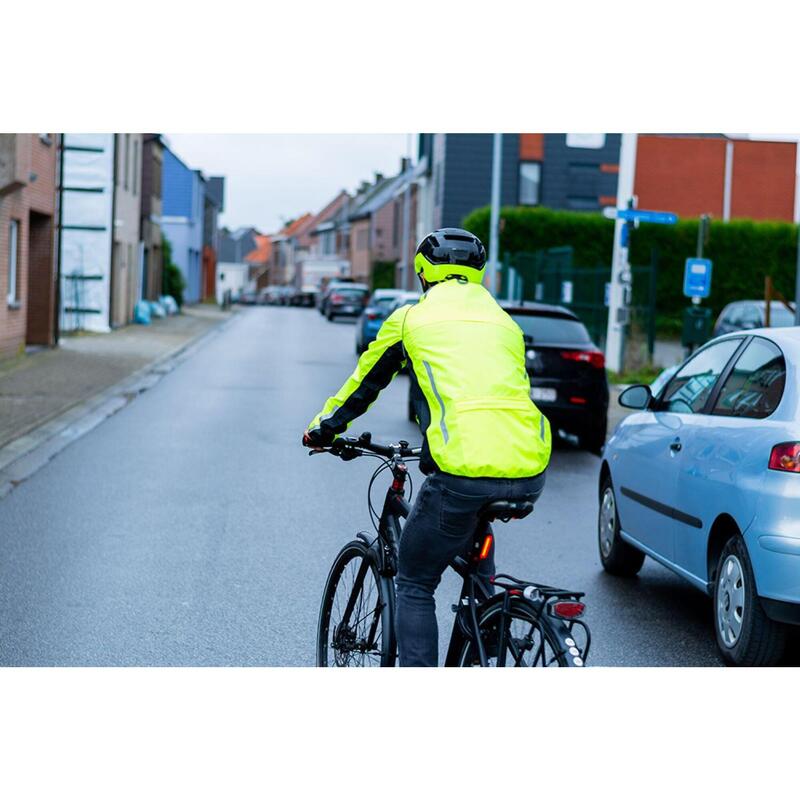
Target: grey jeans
440 527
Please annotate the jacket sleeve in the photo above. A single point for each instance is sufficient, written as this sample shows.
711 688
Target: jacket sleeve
379 363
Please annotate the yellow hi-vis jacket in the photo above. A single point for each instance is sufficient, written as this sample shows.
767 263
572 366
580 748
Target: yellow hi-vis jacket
467 357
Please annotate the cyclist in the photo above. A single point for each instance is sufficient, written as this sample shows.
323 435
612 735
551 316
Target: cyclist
483 437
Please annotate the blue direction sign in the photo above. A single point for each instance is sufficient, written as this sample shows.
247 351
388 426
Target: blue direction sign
641 215
697 277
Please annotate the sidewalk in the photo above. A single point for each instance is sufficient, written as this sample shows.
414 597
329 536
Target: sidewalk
45 384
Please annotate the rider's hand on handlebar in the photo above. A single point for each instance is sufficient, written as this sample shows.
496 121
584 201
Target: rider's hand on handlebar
317 439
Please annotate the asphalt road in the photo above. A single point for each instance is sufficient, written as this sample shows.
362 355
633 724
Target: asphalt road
191 528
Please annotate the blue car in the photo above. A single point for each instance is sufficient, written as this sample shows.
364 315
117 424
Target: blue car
377 309
705 479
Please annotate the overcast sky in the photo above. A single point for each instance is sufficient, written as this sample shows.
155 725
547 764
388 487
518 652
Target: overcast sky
273 177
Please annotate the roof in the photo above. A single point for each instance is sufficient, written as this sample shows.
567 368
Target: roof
262 252
376 197
296 227
545 309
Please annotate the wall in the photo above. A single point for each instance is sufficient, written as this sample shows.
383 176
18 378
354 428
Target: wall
151 208
467 182
126 266
359 250
86 230
578 178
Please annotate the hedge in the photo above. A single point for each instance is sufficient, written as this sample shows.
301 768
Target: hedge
743 251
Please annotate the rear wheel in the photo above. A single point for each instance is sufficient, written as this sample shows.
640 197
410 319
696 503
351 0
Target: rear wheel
530 640
616 555
746 636
356 626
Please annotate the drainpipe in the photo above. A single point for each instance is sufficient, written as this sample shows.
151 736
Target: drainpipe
57 237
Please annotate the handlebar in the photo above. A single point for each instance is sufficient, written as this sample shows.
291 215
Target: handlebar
350 447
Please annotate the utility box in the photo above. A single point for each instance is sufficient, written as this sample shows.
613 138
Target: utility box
696 326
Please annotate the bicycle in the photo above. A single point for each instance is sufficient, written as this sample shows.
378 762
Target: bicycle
523 624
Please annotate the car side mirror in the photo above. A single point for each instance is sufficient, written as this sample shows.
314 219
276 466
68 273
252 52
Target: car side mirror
638 397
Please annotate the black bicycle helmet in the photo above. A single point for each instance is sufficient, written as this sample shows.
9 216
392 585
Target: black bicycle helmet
450 252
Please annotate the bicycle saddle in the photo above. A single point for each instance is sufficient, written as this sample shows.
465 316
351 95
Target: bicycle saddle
506 509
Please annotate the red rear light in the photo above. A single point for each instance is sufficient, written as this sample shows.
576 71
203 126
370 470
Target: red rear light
568 609
579 401
486 547
785 457
336 298
372 315
592 357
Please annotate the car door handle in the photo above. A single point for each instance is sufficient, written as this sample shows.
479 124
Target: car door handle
676 446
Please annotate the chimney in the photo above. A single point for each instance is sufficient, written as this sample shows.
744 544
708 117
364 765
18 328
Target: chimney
405 163
378 177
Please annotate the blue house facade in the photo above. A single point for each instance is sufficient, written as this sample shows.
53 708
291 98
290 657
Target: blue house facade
182 221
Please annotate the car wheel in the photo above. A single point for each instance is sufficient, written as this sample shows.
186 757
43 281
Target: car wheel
617 556
330 316
594 439
746 636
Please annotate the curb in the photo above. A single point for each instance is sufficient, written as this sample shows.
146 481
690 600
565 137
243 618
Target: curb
26 455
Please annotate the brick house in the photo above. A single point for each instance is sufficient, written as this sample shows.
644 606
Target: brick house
28 169
126 275
150 210
213 205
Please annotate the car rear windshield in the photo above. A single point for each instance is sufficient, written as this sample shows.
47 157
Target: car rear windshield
350 294
552 330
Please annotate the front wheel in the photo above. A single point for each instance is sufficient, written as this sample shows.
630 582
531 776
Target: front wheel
746 636
356 618
530 639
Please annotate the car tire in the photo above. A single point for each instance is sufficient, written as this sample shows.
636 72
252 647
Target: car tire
746 636
594 440
616 555
330 316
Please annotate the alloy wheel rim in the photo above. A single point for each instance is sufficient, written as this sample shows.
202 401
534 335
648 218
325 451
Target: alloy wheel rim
730 601
608 522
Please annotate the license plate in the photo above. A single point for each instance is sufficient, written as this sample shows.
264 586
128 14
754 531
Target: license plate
543 395
348 309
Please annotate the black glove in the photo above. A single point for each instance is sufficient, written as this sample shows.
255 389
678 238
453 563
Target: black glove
318 437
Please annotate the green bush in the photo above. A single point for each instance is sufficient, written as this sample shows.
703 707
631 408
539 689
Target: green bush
743 251
383 273
172 282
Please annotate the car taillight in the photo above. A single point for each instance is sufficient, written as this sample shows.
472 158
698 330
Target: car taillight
336 298
785 457
372 315
592 357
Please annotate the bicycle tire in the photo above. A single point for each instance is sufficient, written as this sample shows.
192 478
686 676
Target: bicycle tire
555 634
347 646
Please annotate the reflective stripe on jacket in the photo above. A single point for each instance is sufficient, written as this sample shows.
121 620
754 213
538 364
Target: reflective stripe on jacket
466 361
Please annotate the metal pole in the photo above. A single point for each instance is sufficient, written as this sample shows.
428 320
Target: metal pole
494 222
406 219
619 294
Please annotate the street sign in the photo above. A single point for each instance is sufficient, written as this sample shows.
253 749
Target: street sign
697 277
641 215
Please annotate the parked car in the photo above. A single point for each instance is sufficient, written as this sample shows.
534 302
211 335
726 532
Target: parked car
306 295
247 298
330 287
347 300
371 319
704 478
746 315
566 369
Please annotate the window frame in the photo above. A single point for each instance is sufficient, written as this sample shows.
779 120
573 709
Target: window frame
538 184
12 293
729 369
721 378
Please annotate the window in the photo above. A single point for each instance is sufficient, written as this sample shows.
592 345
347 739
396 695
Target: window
587 141
544 330
530 174
689 390
755 385
362 240
134 177
13 262
127 157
